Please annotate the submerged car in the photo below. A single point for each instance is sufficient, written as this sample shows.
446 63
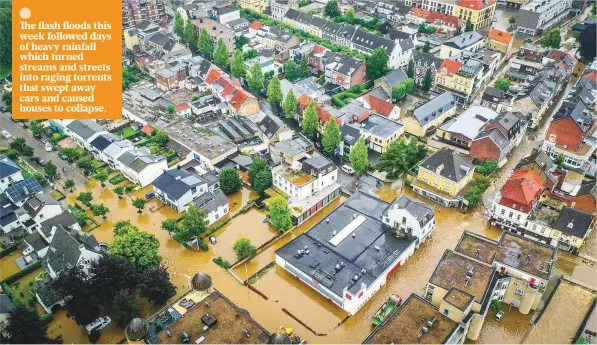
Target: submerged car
98 324
499 315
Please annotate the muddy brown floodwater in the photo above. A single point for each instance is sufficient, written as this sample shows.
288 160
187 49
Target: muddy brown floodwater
283 290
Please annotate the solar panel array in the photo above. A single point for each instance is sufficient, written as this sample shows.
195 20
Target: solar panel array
23 189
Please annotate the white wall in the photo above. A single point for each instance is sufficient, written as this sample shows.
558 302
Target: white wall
7 181
215 215
48 211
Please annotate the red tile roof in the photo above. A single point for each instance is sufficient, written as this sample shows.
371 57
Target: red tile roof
304 101
591 74
212 76
500 36
318 49
238 99
522 189
445 18
147 129
475 4
256 25
182 106
379 106
451 65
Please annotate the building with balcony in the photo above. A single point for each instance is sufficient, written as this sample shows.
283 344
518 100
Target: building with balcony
479 12
538 16
135 11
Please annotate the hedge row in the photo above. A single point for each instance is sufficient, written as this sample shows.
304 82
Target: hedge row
20 274
9 249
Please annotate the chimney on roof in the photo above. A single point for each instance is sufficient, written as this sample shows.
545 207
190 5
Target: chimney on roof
469 277
528 258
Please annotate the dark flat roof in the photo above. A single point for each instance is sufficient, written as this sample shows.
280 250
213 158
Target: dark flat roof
477 246
373 248
526 255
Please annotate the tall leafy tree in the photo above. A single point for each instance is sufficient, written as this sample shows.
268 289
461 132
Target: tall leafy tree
290 69
179 25
84 304
37 128
139 204
194 223
331 136
274 92
205 44
398 91
170 225
69 184
303 68
255 79
23 326
221 53
359 156
310 123
410 70
6 36
502 84
189 34
50 170
349 15
468 26
101 175
138 247
426 47
244 248
409 85
377 63
230 181
100 210
263 180
400 157
279 213
237 66
332 9
155 285
257 166
110 274
552 38
125 307
85 198
427 80
290 104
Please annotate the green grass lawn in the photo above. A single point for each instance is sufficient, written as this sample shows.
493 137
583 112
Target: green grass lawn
128 132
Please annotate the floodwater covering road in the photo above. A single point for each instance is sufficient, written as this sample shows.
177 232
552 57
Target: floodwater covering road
292 295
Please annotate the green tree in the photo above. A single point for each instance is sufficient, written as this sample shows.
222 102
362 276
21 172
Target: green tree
332 9
155 285
410 70
279 213
110 274
475 194
170 225
398 91
189 34
81 217
468 26
171 109
331 136
303 68
502 84
194 223
310 123
124 226
263 180
349 15
244 248
303 3
69 184
377 63
50 170
102 176
85 198
512 20
85 163
552 38
84 304
23 326
409 85
17 144
37 128
241 41
6 35
138 247
230 181
400 157
290 69
458 31
221 54
559 161
359 156
128 78
257 166
179 25
251 53
290 104
139 204
100 210
255 78
119 190
274 92
427 80
205 44
427 47
125 307
160 137
237 66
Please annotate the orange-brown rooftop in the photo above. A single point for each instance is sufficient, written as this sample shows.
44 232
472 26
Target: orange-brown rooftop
477 247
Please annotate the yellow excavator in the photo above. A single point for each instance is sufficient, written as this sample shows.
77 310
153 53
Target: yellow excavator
290 333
